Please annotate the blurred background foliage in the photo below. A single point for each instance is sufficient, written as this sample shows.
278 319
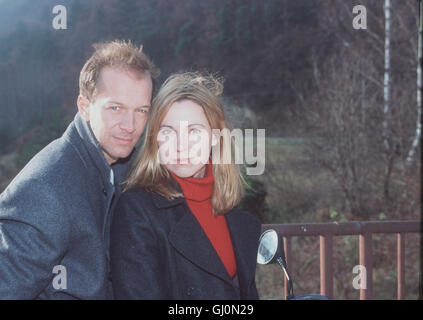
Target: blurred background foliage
296 68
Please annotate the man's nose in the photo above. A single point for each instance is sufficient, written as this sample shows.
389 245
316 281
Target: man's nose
128 122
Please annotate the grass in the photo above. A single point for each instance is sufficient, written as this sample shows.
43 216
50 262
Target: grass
299 191
295 186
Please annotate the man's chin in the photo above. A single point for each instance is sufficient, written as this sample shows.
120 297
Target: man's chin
123 155
112 157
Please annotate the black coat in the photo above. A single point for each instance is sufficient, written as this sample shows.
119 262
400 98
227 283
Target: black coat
160 251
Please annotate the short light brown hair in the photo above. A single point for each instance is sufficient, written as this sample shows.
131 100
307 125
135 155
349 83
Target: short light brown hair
147 171
116 54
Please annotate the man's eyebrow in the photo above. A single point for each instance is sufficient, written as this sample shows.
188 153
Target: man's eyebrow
115 102
122 104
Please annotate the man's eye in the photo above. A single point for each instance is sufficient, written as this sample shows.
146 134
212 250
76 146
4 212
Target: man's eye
115 108
142 110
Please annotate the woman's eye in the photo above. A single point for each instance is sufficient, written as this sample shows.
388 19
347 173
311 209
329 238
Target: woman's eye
165 132
195 131
142 110
115 108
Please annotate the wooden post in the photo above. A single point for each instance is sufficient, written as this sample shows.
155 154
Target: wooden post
287 249
365 244
401 266
326 265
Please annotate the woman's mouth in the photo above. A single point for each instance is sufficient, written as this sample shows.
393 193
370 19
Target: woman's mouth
180 161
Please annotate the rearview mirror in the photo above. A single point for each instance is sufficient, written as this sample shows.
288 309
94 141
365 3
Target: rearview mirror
271 250
268 247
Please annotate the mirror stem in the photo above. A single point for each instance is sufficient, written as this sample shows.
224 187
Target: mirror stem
290 286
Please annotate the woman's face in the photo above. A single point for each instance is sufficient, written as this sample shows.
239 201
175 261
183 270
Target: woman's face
185 139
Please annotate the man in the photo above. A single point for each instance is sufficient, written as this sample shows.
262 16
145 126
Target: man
55 214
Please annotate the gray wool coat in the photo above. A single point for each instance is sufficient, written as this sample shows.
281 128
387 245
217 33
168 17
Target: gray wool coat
55 219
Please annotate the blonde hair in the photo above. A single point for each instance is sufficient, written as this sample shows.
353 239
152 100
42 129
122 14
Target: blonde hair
116 54
148 173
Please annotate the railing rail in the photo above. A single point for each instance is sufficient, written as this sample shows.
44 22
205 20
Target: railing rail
363 229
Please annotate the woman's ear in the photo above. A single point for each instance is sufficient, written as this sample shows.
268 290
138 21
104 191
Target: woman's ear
83 107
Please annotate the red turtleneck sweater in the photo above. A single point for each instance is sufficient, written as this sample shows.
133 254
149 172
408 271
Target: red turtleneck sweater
198 192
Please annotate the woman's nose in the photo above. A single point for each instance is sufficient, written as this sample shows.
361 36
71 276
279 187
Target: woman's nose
182 143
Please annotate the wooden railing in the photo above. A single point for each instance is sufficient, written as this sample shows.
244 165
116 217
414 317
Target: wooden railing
364 230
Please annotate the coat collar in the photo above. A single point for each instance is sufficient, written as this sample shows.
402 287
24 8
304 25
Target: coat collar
187 231
190 240
163 203
92 146
245 235
82 131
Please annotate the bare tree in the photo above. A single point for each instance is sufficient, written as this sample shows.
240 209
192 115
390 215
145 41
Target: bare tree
344 146
417 136
362 111
387 76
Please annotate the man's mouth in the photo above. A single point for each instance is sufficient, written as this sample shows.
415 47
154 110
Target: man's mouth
125 141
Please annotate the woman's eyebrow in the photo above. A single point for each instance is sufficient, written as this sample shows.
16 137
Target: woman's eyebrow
197 124
189 126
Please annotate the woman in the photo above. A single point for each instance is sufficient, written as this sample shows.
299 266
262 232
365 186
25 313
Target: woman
177 233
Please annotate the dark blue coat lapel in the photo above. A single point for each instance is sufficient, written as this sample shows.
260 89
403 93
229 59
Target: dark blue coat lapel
243 234
190 240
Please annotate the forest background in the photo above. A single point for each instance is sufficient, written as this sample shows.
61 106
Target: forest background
336 148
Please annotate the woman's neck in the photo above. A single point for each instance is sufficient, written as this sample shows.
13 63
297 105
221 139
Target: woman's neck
200 173
197 188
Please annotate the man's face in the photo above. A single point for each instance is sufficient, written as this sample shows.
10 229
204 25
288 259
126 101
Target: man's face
119 113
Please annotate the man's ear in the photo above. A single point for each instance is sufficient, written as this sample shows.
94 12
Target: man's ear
83 107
